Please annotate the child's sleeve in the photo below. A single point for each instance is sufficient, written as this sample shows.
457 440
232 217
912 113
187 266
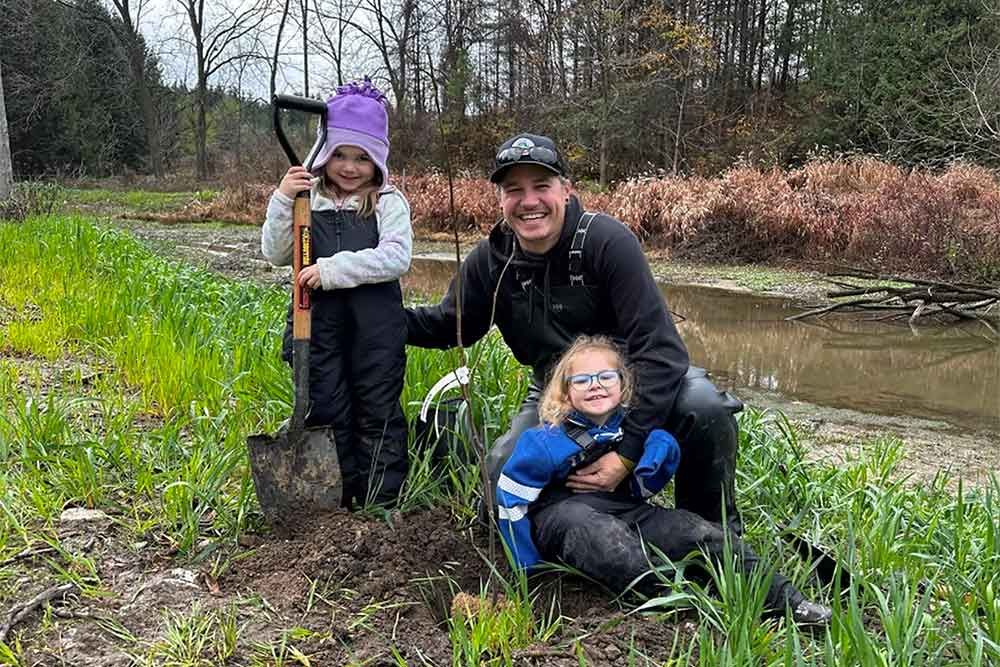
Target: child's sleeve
387 261
522 479
659 462
276 235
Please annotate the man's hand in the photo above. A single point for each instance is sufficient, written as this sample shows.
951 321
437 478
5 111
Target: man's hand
604 474
309 276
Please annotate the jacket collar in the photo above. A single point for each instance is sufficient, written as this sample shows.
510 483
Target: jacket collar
611 426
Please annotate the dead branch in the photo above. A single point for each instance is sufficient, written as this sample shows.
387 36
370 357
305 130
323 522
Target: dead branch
26 554
18 613
908 298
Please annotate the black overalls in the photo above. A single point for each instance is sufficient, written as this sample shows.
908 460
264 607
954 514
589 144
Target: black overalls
357 366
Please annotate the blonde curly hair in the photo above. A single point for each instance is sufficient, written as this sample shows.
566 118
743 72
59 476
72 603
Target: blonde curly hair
555 405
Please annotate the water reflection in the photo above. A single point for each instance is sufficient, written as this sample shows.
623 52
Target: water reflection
948 373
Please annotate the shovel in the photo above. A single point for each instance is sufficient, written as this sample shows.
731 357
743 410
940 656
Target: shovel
296 472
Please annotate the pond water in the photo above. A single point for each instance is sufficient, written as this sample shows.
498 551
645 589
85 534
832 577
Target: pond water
947 373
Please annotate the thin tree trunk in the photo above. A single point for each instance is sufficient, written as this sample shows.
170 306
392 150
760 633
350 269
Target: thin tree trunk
680 117
277 48
201 129
786 44
149 120
305 61
761 24
6 168
305 46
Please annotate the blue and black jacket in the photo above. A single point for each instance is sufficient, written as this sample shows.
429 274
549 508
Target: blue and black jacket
546 454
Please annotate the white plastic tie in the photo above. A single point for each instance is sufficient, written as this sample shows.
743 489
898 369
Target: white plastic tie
458 377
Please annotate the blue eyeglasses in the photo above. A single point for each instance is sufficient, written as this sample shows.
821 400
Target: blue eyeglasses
607 379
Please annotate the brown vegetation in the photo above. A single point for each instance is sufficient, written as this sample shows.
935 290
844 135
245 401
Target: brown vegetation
859 211
853 211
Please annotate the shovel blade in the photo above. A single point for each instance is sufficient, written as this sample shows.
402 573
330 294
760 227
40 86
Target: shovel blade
296 473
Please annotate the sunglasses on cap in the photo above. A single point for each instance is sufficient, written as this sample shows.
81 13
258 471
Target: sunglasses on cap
546 156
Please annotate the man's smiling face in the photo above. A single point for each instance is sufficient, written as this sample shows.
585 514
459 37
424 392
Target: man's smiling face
533 201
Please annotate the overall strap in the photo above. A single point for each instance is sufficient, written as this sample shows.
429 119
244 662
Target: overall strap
579 435
576 248
591 448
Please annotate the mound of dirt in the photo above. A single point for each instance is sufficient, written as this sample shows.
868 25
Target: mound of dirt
365 585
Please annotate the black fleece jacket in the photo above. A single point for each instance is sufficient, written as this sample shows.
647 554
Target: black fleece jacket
540 314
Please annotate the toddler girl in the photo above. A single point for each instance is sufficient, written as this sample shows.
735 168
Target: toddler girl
602 534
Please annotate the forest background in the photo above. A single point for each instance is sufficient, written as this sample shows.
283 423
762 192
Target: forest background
181 87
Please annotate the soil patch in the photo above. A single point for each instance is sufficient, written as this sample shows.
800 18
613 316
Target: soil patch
339 589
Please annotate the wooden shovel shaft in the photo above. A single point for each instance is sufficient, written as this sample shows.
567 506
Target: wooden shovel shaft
302 252
301 257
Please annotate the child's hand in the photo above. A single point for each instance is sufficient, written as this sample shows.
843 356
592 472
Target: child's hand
309 277
296 180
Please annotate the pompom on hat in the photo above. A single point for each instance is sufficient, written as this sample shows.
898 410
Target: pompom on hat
356 116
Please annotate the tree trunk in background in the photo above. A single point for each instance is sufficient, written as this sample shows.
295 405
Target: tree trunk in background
213 46
305 47
307 130
603 159
6 168
277 50
137 61
135 46
201 129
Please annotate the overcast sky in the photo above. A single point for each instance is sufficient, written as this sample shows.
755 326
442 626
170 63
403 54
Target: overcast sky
167 31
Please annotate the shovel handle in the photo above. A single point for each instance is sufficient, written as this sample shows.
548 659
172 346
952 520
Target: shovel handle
301 257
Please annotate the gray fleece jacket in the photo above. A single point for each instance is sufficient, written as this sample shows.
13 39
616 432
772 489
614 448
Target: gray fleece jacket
389 260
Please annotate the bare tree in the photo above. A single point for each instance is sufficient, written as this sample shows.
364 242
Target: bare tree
277 48
129 36
392 37
213 39
977 98
342 13
6 168
304 7
126 31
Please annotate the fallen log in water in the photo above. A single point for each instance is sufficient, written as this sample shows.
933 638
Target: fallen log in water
913 299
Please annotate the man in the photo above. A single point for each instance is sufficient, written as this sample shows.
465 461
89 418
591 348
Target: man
549 272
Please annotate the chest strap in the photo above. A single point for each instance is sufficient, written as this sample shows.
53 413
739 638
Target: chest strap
576 248
591 448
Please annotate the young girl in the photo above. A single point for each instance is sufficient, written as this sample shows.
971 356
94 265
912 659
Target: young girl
602 534
361 238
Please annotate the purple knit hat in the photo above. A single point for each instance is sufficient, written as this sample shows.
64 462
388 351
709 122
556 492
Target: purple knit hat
356 116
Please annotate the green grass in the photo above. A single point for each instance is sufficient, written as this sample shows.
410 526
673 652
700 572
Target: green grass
134 200
754 278
163 370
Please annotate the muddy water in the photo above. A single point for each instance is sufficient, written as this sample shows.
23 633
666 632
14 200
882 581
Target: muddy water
951 374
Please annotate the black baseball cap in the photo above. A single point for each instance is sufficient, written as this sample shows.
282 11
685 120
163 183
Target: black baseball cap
527 149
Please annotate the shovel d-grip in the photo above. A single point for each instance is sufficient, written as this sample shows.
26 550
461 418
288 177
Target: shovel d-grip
301 251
